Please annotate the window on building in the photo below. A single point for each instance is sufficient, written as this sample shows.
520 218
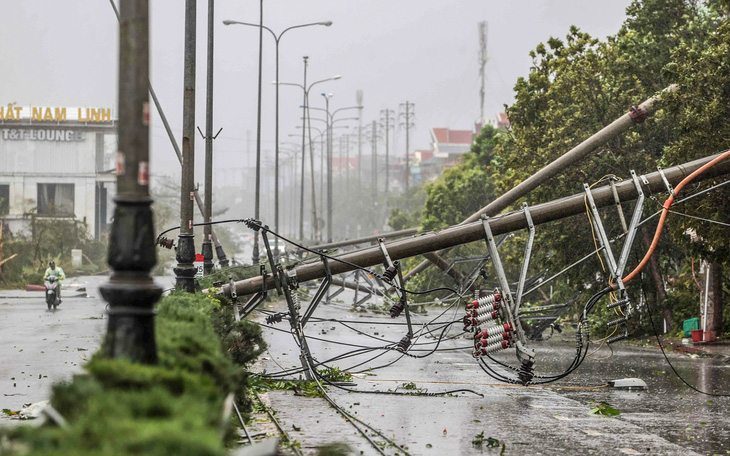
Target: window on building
4 199
56 199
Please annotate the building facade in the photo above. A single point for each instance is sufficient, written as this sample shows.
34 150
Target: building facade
57 163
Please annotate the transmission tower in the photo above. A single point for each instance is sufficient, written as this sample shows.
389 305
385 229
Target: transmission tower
406 120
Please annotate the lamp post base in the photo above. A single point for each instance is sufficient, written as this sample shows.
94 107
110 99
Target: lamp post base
131 329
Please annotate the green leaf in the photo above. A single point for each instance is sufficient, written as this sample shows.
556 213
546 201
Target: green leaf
604 409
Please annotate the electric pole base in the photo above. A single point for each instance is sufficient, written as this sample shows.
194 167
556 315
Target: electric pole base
221 256
207 251
185 270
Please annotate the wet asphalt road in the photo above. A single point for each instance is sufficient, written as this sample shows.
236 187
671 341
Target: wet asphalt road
39 348
667 418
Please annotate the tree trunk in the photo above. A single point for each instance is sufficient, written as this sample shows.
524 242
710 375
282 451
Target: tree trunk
660 292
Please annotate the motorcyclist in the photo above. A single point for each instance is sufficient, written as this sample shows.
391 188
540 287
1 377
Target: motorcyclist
52 270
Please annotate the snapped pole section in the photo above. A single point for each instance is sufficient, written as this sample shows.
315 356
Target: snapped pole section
504 223
130 291
637 114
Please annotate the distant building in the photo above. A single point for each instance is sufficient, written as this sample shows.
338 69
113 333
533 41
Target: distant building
57 163
451 144
447 149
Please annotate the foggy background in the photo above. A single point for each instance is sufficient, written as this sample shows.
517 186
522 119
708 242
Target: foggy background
64 53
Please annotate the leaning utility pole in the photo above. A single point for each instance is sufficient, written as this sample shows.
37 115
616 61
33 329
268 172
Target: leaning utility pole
636 115
465 233
407 122
185 271
130 291
386 122
207 249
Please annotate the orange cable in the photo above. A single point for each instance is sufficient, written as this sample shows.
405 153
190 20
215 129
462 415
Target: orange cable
665 210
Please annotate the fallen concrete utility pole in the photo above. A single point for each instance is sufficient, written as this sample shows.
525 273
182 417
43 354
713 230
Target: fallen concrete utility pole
637 114
363 240
505 223
352 285
220 253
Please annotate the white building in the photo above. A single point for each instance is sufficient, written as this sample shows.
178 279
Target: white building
56 163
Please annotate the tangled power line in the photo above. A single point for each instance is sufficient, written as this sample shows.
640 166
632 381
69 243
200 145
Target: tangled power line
492 318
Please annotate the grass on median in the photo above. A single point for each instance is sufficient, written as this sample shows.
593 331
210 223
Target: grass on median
176 407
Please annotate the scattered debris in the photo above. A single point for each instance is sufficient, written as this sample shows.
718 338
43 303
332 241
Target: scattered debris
491 442
603 409
32 411
628 383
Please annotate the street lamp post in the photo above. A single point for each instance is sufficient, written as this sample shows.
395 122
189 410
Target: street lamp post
305 117
329 119
321 137
277 40
130 291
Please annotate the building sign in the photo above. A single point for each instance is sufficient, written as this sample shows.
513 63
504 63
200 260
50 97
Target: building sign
13 134
55 114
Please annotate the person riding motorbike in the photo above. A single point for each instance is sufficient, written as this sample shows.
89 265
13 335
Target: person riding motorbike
52 270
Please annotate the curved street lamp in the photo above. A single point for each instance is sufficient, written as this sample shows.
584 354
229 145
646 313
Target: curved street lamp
306 90
277 40
329 117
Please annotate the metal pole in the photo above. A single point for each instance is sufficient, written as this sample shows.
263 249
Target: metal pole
276 140
329 169
374 147
387 151
207 249
637 114
315 220
322 153
359 143
185 271
218 247
130 290
505 223
408 131
257 204
339 159
347 166
304 124
366 239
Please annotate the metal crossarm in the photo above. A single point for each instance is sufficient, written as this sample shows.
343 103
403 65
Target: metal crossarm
526 258
321 292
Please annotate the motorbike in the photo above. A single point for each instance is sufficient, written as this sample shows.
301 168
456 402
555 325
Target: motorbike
52 286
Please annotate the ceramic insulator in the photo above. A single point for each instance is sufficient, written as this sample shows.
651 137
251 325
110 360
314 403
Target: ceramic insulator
483 342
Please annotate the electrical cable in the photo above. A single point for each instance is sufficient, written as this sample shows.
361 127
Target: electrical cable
351 418
665 210
656 335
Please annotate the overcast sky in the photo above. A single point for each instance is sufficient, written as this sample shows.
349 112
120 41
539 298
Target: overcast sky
64 53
